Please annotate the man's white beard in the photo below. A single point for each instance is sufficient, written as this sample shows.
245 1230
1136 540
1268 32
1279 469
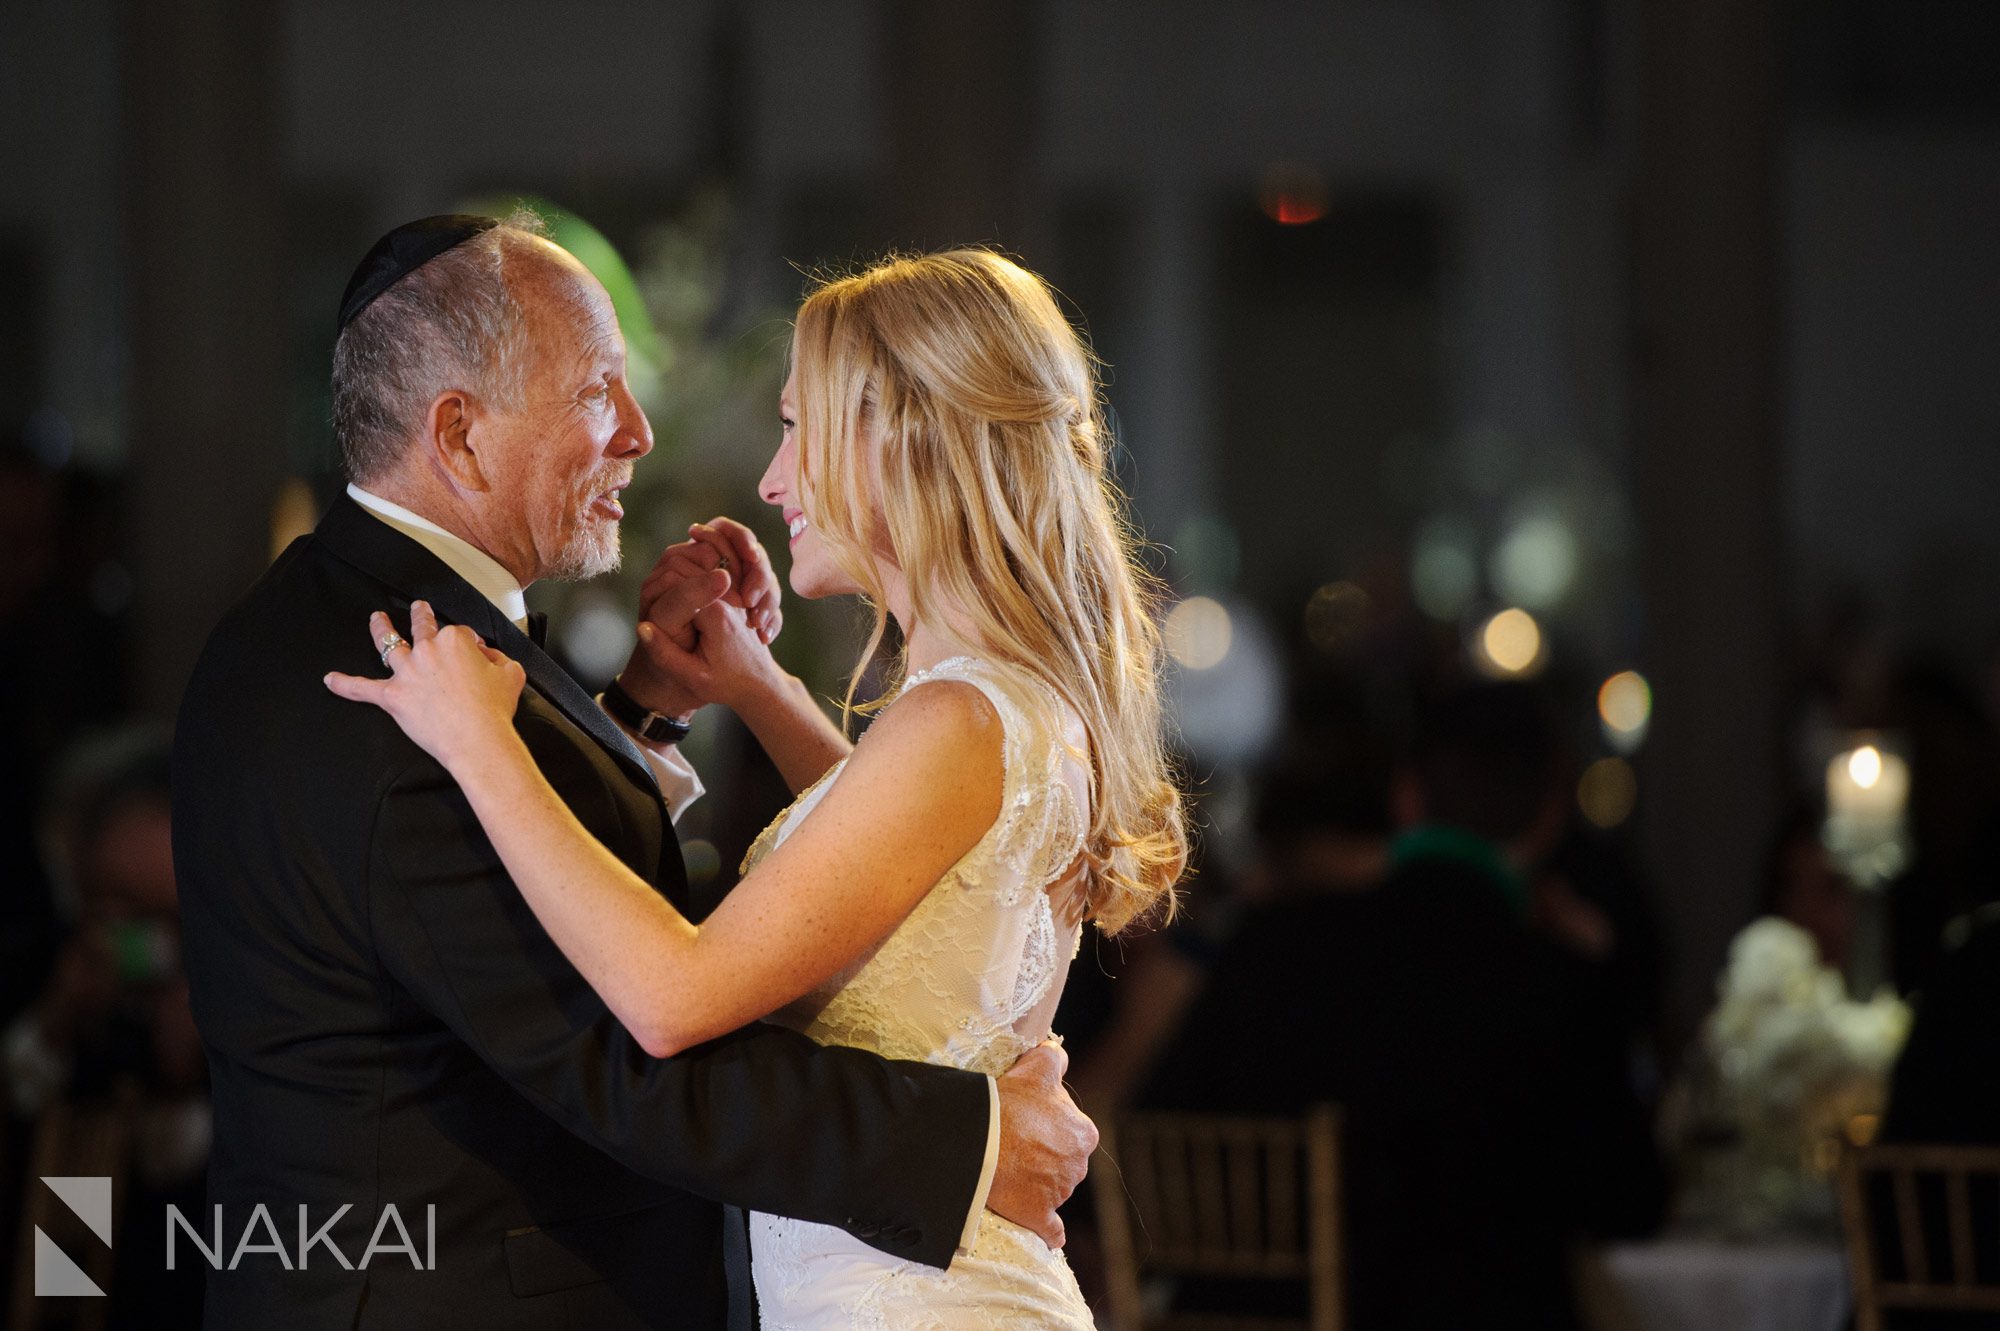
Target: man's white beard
592 551
593 547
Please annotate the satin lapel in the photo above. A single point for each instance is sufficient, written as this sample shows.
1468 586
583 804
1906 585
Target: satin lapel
390 557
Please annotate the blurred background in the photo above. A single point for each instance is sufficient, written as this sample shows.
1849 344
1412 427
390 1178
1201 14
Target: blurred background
1565 425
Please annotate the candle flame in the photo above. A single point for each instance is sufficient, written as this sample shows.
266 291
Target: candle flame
1865 766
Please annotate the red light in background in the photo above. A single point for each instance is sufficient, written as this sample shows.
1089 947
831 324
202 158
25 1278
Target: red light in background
1292 195
1287 210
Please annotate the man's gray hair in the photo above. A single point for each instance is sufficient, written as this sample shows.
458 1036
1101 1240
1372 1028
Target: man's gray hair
453 323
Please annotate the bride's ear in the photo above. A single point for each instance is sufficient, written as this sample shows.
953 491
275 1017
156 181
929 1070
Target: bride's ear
452 438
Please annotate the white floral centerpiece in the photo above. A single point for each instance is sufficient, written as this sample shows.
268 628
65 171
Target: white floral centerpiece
1787 1063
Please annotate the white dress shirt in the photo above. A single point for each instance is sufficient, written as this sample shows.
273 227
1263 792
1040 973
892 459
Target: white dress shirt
679 784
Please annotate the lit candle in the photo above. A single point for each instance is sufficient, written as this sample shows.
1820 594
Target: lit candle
1868 788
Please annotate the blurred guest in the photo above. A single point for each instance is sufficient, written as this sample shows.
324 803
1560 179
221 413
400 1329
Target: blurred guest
1321 823
1484 1131
1946 1086
1954 814
27 917
1590 903
62 602
112 1023
1314 832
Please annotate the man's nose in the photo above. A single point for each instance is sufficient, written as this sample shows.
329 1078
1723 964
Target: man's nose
635 432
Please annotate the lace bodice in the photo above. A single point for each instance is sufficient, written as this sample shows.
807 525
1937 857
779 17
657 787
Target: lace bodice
964 981
959 978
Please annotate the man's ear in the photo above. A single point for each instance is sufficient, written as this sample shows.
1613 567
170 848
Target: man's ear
451 430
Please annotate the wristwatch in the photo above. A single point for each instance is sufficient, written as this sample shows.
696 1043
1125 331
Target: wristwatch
654 727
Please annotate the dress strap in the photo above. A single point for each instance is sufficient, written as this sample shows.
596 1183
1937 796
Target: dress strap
1041 828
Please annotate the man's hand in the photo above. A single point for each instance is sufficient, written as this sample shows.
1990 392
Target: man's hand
730 663
721 561
1045 1144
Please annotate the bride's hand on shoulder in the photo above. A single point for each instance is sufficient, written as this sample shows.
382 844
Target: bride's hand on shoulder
450 692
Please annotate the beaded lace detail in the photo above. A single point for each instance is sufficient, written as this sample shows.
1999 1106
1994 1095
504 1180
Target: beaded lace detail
955 984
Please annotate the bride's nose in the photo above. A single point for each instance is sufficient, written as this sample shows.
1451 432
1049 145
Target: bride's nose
773 485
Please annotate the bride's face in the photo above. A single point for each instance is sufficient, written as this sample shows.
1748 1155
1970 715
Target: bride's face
815 573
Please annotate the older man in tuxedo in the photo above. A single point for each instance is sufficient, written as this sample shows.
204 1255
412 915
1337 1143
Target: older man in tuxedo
386 1023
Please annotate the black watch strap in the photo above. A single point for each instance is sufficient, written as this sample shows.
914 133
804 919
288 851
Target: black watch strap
654 727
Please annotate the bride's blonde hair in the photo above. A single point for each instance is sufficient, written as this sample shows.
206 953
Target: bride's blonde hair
950 419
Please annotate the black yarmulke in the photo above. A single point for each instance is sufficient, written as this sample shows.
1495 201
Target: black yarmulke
403 251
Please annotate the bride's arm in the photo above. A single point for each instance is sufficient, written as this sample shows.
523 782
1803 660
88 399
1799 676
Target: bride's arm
799 738
917 794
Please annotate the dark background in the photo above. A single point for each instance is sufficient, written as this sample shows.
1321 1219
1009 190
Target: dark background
1706 288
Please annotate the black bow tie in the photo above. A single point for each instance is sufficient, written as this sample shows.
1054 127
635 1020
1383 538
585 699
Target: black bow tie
538 629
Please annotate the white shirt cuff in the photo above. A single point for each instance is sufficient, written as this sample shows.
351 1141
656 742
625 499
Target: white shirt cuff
985 1187
680 786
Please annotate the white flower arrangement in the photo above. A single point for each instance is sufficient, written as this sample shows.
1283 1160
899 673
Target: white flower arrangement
1790 1061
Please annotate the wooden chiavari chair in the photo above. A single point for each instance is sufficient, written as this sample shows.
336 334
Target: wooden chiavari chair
1220 1195
1932 1191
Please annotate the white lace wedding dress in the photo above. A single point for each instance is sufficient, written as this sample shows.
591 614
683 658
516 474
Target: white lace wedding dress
967 980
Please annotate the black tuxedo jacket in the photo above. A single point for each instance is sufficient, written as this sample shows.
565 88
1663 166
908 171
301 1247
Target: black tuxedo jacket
387 1024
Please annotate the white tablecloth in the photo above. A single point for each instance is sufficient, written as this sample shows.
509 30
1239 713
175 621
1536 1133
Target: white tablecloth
1686 1284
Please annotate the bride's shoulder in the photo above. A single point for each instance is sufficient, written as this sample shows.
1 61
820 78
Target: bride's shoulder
949 722
950 711
931 766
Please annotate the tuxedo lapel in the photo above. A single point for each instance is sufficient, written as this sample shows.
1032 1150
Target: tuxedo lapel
390 557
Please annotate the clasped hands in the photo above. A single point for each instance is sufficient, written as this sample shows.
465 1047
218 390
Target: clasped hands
708 613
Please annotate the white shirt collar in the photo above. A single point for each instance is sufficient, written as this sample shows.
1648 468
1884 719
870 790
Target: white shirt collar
464 558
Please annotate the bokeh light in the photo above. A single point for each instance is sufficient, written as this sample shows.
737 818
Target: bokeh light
596 633
1228 712
294 513
1535 563
1207 554
1625 706
1444 573
1198 633
1510 644
1608 792
1336 617
702 859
